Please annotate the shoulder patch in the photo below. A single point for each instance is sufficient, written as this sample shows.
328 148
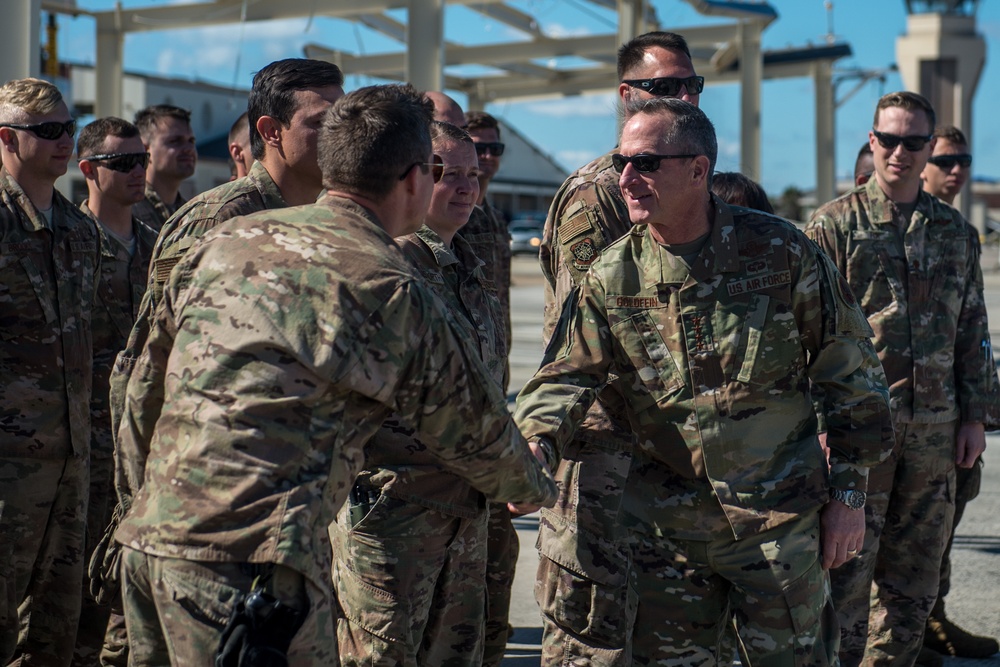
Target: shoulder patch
584 252
576 220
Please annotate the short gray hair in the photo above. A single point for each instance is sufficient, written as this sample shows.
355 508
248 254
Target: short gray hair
690 130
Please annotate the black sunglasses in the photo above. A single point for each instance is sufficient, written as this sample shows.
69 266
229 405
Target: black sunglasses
948 162
669 86
911 142
123 162
51 130
494 147
437 169
643 162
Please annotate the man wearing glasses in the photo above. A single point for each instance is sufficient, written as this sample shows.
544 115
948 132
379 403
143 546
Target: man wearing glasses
714 322
913 263
284 341
945 175
48 269
113 161
287 102
580 540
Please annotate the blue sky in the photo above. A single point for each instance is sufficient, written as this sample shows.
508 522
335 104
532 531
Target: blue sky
574 130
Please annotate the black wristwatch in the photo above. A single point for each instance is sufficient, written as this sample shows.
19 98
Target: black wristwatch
855 500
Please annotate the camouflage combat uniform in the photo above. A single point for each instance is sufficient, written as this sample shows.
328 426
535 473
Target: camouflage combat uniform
154 211
119 290
48 271
580 540
716 364
261 415
413 532
920 285
487 233
255 192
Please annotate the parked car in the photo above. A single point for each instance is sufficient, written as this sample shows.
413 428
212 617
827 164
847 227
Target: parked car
525 235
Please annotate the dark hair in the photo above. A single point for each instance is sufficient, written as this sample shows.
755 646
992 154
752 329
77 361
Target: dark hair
240 126
371 136
93 134
904 99
480 120
859 169
734 188
690 130
631 53
443 130
951 134
147 119
274 88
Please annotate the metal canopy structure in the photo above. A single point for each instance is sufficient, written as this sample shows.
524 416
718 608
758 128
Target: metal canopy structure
727 52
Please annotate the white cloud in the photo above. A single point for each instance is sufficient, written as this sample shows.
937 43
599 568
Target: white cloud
589 106
559 30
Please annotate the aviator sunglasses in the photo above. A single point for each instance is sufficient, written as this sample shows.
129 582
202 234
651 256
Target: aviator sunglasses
50 130
643 162
668 86
494 147
911 142
123 162
948 162
436 167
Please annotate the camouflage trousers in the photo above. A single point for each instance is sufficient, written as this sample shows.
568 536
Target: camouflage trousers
411 584
884 595
42 522
176 610
581 584
503 547
772 584
94 617
967 484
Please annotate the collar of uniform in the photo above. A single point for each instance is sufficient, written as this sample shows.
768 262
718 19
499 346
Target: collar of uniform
442 253
268 189
32 218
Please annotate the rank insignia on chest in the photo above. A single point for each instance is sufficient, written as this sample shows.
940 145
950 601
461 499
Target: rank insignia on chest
584 252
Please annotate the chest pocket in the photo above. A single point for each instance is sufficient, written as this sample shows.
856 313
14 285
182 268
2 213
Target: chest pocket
647 352
876 270
27 300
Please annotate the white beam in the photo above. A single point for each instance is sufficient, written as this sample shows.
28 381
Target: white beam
425 44
826 177
109 68
751 76
20 47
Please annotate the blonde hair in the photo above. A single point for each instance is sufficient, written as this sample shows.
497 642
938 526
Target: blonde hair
21 98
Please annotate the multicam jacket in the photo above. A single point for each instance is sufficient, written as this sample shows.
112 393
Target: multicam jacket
48 273
587 214
283 341
922 292
254 192
119 291
716 364
456 276
155 212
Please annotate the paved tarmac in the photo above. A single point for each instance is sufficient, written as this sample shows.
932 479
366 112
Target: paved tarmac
974 601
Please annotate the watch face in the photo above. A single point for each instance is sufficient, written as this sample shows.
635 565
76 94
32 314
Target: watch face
853 499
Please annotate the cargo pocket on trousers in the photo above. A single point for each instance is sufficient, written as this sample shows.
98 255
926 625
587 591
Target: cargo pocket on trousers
204 597
586 592
373 609
813 617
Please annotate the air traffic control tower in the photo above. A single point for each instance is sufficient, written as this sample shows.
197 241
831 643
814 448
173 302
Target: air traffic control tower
941 56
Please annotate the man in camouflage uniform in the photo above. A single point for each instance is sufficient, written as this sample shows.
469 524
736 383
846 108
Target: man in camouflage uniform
913 263
487 233
48 267
412 531
715 322
169 140
947 171
257 419
580 540
113 162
